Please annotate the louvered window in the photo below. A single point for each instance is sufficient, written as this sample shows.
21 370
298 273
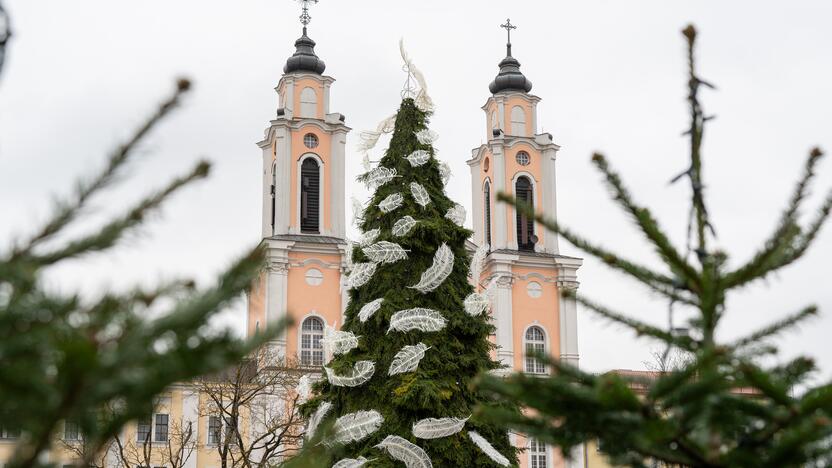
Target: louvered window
487 207
310 189
274 194
525 224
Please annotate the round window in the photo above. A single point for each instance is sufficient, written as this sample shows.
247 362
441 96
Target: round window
310 140
523 158
486 164
534 289
314 277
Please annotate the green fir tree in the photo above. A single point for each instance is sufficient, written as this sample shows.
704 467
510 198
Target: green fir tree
404 242
722 406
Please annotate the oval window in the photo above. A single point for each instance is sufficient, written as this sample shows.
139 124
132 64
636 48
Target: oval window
314 277
486 164
310 140
534 289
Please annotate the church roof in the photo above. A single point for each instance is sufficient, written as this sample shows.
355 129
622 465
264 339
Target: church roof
510 78
304 58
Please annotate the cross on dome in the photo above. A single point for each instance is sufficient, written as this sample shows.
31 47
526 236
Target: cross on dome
510 77
305 17
508 27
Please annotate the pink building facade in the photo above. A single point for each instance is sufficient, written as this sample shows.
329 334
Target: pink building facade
303 226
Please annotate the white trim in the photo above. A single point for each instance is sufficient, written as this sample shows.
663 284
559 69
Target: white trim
536 199
317 315
546 345
321 190
487 215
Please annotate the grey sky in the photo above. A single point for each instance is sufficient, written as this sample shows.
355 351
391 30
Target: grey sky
81 75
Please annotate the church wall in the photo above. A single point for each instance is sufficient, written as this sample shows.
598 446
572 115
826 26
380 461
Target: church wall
542 311
298 150
514 170
315 84
323 301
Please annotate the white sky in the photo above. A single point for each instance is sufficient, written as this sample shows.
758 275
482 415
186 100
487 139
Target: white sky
81 75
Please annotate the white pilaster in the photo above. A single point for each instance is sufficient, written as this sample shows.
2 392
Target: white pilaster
276 298
502 313
283 144
337 176
190 416
568 320
550 201
499 235
267 183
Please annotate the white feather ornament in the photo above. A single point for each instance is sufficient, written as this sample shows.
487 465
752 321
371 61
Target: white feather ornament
403 226
357 211
418 157
351 463
423 100
337 341
369 138
418 318
443 264
419 194
390 203
348 256
457 215
445 172
477 262
488 449
361 273
369 309
365 162
385 252
356 426
317 418
407 360
432 428
360 374
402 450
477 303
378 177
426 136
304 388
369 237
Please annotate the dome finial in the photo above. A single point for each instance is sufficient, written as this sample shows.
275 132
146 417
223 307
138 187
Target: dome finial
304 58
508 27
510 77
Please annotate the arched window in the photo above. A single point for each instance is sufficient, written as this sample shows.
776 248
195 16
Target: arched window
535 344
523 190
487 211
537 454
310 195
274 193
311 348
308 103
518 121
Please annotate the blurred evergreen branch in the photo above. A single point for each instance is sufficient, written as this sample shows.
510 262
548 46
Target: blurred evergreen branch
720 407
101 362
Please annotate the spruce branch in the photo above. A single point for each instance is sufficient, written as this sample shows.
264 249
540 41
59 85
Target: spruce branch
658 282
113 231
776 327
648 224
639 327
769 258
68 211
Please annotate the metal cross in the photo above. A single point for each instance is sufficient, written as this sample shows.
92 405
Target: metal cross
508 27
305 18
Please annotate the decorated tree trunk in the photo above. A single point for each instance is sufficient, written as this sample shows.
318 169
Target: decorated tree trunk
398 389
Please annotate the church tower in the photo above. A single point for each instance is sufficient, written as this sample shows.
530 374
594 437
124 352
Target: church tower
524 265
303 222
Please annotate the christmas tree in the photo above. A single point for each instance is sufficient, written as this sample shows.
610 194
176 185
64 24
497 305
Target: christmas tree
397 392
723 406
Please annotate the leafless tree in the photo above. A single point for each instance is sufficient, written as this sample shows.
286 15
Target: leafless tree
129 453
255 404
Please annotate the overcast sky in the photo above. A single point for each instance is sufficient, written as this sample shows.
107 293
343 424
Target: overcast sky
81 75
